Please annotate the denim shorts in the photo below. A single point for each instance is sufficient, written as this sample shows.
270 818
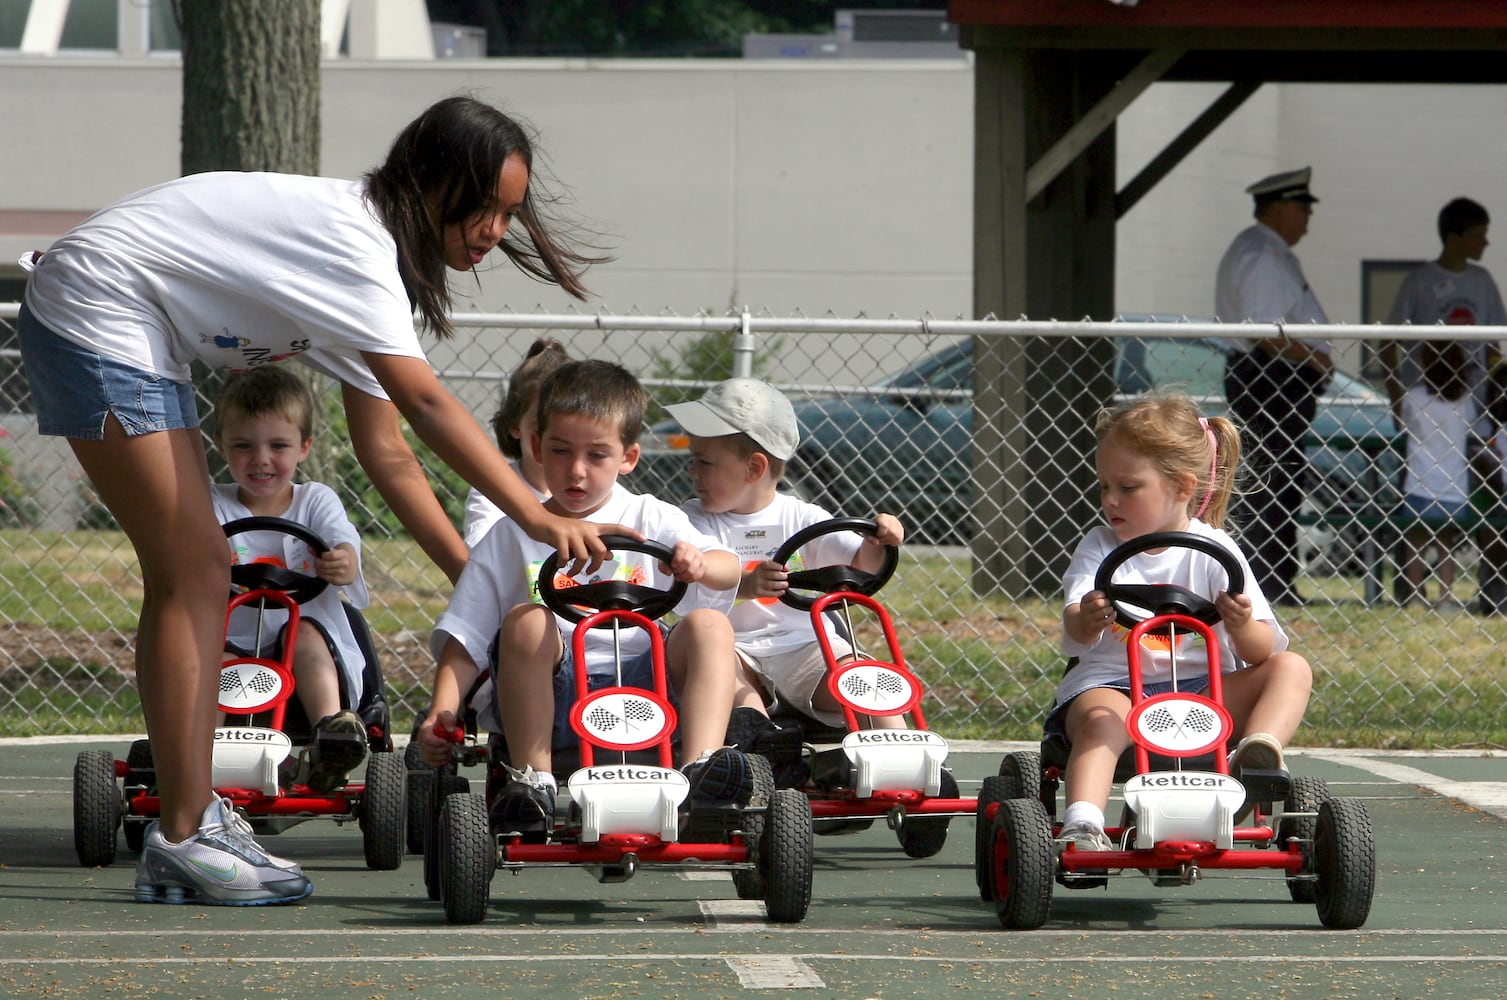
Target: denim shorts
74 389
1435 512
637 672
1056 724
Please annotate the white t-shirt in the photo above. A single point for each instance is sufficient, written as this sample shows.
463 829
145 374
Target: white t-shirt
1105 660
503 572
316 507
1438 431
762 628
1431 295
1260 279
235 269
482 513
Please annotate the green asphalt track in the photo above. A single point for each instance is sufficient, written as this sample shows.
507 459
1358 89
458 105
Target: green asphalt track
880 925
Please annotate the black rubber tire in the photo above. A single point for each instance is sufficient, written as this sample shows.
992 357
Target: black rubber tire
420 807
1307 794
1022 773
468 857
925 836
749 882
1344 849
96 808
785 857
1020 864
140 770
384 811
991 790
445 785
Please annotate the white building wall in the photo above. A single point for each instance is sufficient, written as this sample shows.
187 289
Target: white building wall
836 186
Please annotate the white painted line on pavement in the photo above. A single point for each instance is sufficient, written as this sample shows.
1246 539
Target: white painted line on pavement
774 972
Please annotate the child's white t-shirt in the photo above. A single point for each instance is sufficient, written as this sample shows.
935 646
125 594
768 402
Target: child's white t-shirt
1105 661
503 572
482 513
316 507
764 629
1438 431
234 269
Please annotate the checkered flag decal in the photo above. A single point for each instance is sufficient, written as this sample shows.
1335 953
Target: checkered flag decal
855 687
1184 724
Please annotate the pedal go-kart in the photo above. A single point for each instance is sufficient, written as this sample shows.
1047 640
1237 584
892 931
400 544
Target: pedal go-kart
1180 799
899 775
249 755
629 813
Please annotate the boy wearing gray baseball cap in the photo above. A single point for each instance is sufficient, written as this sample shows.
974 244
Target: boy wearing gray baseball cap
743 431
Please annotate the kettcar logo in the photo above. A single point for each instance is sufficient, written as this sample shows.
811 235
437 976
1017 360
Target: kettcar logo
628 772
229 735
1188 779
869 737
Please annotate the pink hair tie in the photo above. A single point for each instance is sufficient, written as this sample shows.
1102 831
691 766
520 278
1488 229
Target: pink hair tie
1213 464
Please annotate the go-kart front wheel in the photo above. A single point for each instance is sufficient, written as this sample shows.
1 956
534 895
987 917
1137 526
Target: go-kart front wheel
1020 864
444 785
384 808
925 836
1307 794
1344 853
96 808
749 882
141 772
785 857
992 790
468 857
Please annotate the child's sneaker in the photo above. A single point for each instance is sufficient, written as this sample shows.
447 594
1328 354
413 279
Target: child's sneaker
338 747
525 806
720 776
221 865
1258 752
1086 836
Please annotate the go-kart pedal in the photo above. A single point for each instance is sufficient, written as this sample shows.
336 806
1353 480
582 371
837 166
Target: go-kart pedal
751 731
337 748
524 807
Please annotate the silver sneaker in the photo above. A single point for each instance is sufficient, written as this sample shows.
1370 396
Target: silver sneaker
221 865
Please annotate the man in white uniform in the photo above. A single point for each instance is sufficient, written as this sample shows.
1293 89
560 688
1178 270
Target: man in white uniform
1273 385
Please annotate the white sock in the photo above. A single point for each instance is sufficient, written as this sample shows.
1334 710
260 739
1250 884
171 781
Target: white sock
1083 812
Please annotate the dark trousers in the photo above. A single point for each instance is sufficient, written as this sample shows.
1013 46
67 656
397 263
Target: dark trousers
1273 401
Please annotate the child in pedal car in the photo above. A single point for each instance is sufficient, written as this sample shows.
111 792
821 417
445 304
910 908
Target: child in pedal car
590 414
1163 467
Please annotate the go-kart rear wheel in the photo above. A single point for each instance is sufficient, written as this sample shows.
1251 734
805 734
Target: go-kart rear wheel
785 857
444 785
1020 863
1344 852
383 811
992 790
1022 773
420 807
925 836
749 882
96 808
141 772
468 857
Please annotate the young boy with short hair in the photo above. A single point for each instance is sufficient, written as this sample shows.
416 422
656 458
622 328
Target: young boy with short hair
589 418
742 433
265 429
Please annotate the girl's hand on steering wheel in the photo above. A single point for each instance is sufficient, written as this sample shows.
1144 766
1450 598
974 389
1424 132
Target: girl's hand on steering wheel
1234 610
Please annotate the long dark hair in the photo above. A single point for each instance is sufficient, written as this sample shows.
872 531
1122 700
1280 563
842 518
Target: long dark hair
450 156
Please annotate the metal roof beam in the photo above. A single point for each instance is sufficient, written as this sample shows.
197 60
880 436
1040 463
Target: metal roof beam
1187 141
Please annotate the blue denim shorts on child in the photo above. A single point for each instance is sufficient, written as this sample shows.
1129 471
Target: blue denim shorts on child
1431 511
73 389
1056 724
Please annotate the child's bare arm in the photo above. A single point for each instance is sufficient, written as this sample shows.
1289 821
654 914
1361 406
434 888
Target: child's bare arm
1086 620
717 569
1252 638
339 565
870 555
454 674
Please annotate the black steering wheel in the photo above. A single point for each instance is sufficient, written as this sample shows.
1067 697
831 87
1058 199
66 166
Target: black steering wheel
826 579
300 587
610 595
1165 598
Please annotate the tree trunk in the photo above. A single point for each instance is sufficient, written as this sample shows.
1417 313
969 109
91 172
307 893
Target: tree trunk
250 85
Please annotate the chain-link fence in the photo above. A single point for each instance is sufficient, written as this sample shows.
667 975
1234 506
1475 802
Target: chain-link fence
977 434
